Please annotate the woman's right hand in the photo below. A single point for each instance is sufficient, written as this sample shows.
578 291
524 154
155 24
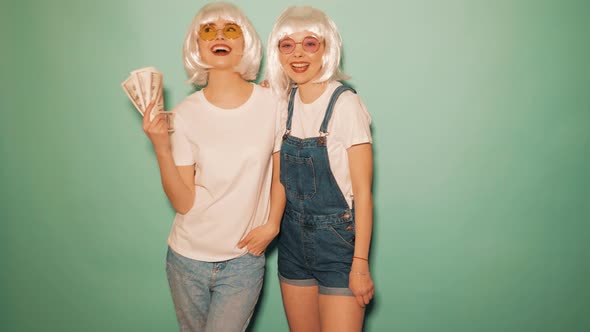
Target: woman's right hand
156 129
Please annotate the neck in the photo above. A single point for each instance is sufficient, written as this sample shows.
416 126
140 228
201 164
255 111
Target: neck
224 81
227 89
309 92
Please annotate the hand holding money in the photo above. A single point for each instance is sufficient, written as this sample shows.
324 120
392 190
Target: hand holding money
157 129
144 87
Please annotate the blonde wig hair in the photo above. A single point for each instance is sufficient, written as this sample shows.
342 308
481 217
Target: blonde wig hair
196 69
297 19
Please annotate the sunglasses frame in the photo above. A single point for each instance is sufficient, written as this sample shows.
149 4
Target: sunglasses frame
223 30
302 42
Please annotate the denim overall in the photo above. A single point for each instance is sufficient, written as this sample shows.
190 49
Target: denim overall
316 242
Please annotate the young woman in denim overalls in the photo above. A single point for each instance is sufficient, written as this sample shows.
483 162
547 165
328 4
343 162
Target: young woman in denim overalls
326 156
220 177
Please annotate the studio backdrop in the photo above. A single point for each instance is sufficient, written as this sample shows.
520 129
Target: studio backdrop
481 126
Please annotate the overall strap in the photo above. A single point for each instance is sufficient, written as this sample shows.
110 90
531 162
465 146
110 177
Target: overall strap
335 95
290 108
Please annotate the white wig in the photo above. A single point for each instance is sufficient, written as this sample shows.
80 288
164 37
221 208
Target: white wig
298 19
196 69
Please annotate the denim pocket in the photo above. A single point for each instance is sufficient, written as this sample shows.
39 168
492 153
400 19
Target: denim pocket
254 258
298 176
345 232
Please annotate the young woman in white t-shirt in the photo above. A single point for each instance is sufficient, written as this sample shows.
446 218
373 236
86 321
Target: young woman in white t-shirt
326 157
220 171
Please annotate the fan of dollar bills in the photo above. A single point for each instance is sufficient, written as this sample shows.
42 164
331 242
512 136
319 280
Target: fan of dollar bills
145 86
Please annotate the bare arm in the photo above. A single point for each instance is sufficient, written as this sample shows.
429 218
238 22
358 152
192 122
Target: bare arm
278 198
177 181
360 160
260 237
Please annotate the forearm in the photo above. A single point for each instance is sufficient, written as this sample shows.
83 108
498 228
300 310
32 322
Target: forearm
360 160
363 210
259 238
360 281
180 194
277 204
278 197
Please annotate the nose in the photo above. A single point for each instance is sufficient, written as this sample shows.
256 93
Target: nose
219 34
298 51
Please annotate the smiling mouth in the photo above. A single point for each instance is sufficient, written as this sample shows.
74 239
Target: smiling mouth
220 49
299 67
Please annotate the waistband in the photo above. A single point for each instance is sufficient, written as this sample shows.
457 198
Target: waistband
345 216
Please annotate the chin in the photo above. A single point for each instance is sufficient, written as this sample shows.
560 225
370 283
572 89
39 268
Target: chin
299 79
223 64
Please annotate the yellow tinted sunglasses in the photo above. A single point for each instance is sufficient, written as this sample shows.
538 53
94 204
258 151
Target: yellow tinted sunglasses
230 31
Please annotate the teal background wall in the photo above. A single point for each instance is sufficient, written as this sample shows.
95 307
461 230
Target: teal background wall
481 115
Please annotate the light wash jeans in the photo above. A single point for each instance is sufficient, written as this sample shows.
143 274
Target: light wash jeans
214 296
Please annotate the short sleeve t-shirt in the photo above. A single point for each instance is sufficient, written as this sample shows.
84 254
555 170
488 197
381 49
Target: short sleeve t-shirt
231 150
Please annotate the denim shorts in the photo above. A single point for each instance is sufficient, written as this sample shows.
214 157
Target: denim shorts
214 296
317 250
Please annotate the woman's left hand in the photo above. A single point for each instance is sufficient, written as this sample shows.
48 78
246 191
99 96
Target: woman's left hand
258 239
360 283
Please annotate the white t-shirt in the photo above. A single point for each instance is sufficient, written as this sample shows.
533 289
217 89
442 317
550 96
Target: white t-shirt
232 153
348 126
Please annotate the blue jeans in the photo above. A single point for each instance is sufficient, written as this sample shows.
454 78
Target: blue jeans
214 296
